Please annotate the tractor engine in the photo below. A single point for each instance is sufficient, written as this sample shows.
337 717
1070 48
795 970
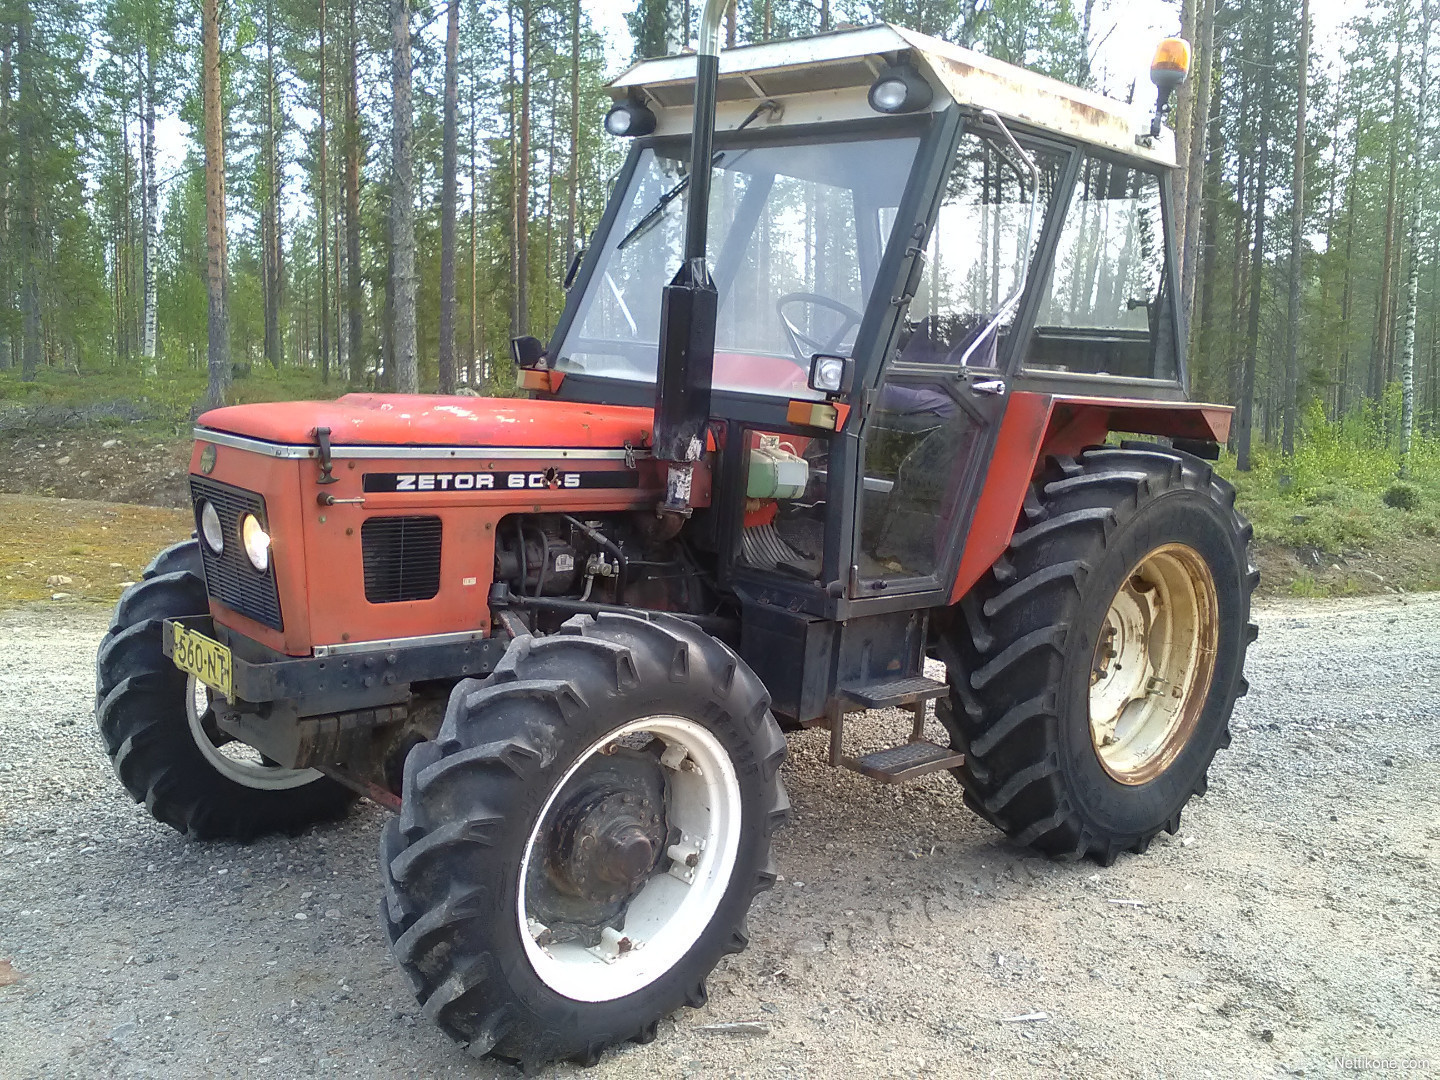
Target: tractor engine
621 559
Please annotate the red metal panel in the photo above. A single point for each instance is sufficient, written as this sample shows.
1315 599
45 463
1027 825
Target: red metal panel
998 507
1039 425
437 420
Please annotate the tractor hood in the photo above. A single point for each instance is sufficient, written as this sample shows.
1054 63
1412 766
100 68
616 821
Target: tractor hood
436 420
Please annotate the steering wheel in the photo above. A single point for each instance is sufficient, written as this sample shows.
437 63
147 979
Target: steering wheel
804 345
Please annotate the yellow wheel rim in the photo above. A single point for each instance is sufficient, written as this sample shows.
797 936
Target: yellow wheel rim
1153 663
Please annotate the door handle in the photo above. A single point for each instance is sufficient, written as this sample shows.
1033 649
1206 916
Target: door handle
994 387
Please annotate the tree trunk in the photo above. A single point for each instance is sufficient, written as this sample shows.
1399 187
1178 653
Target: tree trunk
216 256
573 179
449 152
323 219
1184 132
1291 403
355 299
1195 184
28 210
6 173
271 231
514 137
1412 284
1257 265
402 205
522 198
474 229
151 220
1380 357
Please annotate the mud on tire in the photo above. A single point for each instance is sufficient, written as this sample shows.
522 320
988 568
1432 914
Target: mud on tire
141 711
1021 646
451 863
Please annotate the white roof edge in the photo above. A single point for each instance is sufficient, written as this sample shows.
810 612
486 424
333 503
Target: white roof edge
968 77
833 45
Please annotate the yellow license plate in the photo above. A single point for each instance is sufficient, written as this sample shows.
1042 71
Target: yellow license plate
207 660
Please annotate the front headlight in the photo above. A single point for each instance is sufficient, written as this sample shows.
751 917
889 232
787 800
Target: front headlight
256 542
210 527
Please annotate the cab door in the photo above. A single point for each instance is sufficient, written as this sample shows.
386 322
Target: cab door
930 424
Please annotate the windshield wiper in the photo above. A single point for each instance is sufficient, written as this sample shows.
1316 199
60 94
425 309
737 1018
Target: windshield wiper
653 214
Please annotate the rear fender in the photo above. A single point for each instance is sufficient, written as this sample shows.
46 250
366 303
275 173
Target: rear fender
1037 426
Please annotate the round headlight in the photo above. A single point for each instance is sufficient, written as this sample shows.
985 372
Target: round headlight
256 542
210 527
900 88
888 96
629 118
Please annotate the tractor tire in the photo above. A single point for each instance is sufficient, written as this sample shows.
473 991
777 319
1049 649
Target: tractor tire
161 736
558 754
1094 668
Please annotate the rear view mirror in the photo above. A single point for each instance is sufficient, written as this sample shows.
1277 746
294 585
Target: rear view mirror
528 352
574 268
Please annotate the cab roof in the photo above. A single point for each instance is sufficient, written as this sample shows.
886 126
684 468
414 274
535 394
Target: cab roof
827 76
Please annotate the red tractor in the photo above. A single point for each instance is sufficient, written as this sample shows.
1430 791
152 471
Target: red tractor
911 291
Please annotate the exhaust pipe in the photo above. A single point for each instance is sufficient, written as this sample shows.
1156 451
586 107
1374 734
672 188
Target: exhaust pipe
685 366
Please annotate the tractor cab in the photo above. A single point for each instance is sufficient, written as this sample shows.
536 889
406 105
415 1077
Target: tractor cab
903 235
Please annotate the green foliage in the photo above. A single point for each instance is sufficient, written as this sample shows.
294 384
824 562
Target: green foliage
1338 493
1399 496
121 396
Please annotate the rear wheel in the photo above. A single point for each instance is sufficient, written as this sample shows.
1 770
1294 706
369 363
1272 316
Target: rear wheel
1093 671
161 733
579 847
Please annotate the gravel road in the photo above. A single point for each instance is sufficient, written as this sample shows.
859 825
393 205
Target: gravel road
1293 924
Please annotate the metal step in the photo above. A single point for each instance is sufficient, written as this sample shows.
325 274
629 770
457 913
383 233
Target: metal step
906 762
893 693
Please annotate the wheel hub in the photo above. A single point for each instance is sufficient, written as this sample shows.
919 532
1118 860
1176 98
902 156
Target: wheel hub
1152 665
630 858
605 845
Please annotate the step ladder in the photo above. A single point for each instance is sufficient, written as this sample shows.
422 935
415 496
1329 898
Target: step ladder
897 764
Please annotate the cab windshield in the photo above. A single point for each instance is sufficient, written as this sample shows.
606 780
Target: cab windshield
796 235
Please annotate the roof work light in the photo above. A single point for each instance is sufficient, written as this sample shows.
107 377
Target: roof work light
900 88
1169 70
627 119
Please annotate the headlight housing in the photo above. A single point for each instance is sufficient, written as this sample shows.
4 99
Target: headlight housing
210 528
900 88
256 542
830 373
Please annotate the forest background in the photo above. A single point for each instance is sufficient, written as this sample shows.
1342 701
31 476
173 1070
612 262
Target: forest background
406 181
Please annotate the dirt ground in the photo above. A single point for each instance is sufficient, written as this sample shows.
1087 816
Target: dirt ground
1289 929
139 464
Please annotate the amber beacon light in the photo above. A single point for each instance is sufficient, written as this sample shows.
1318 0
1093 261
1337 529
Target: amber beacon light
1169 70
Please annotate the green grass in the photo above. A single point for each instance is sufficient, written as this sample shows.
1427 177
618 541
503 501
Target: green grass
1331 496
119 396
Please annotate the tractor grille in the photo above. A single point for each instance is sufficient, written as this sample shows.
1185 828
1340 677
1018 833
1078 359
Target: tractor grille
402 558
229 577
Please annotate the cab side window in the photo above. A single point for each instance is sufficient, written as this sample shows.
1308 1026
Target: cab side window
1107 309
978 254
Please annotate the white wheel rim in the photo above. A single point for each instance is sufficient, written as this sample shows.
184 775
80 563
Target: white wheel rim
1153 662
667 916
233 758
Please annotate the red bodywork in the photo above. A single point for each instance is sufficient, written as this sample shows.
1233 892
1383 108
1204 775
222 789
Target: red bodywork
316 548
315 545
1039 425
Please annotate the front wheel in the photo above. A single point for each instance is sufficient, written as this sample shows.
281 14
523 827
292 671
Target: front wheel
579 847
1093 671
161 734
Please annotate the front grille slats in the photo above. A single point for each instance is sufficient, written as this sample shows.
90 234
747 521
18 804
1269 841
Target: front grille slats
229 577
401 557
